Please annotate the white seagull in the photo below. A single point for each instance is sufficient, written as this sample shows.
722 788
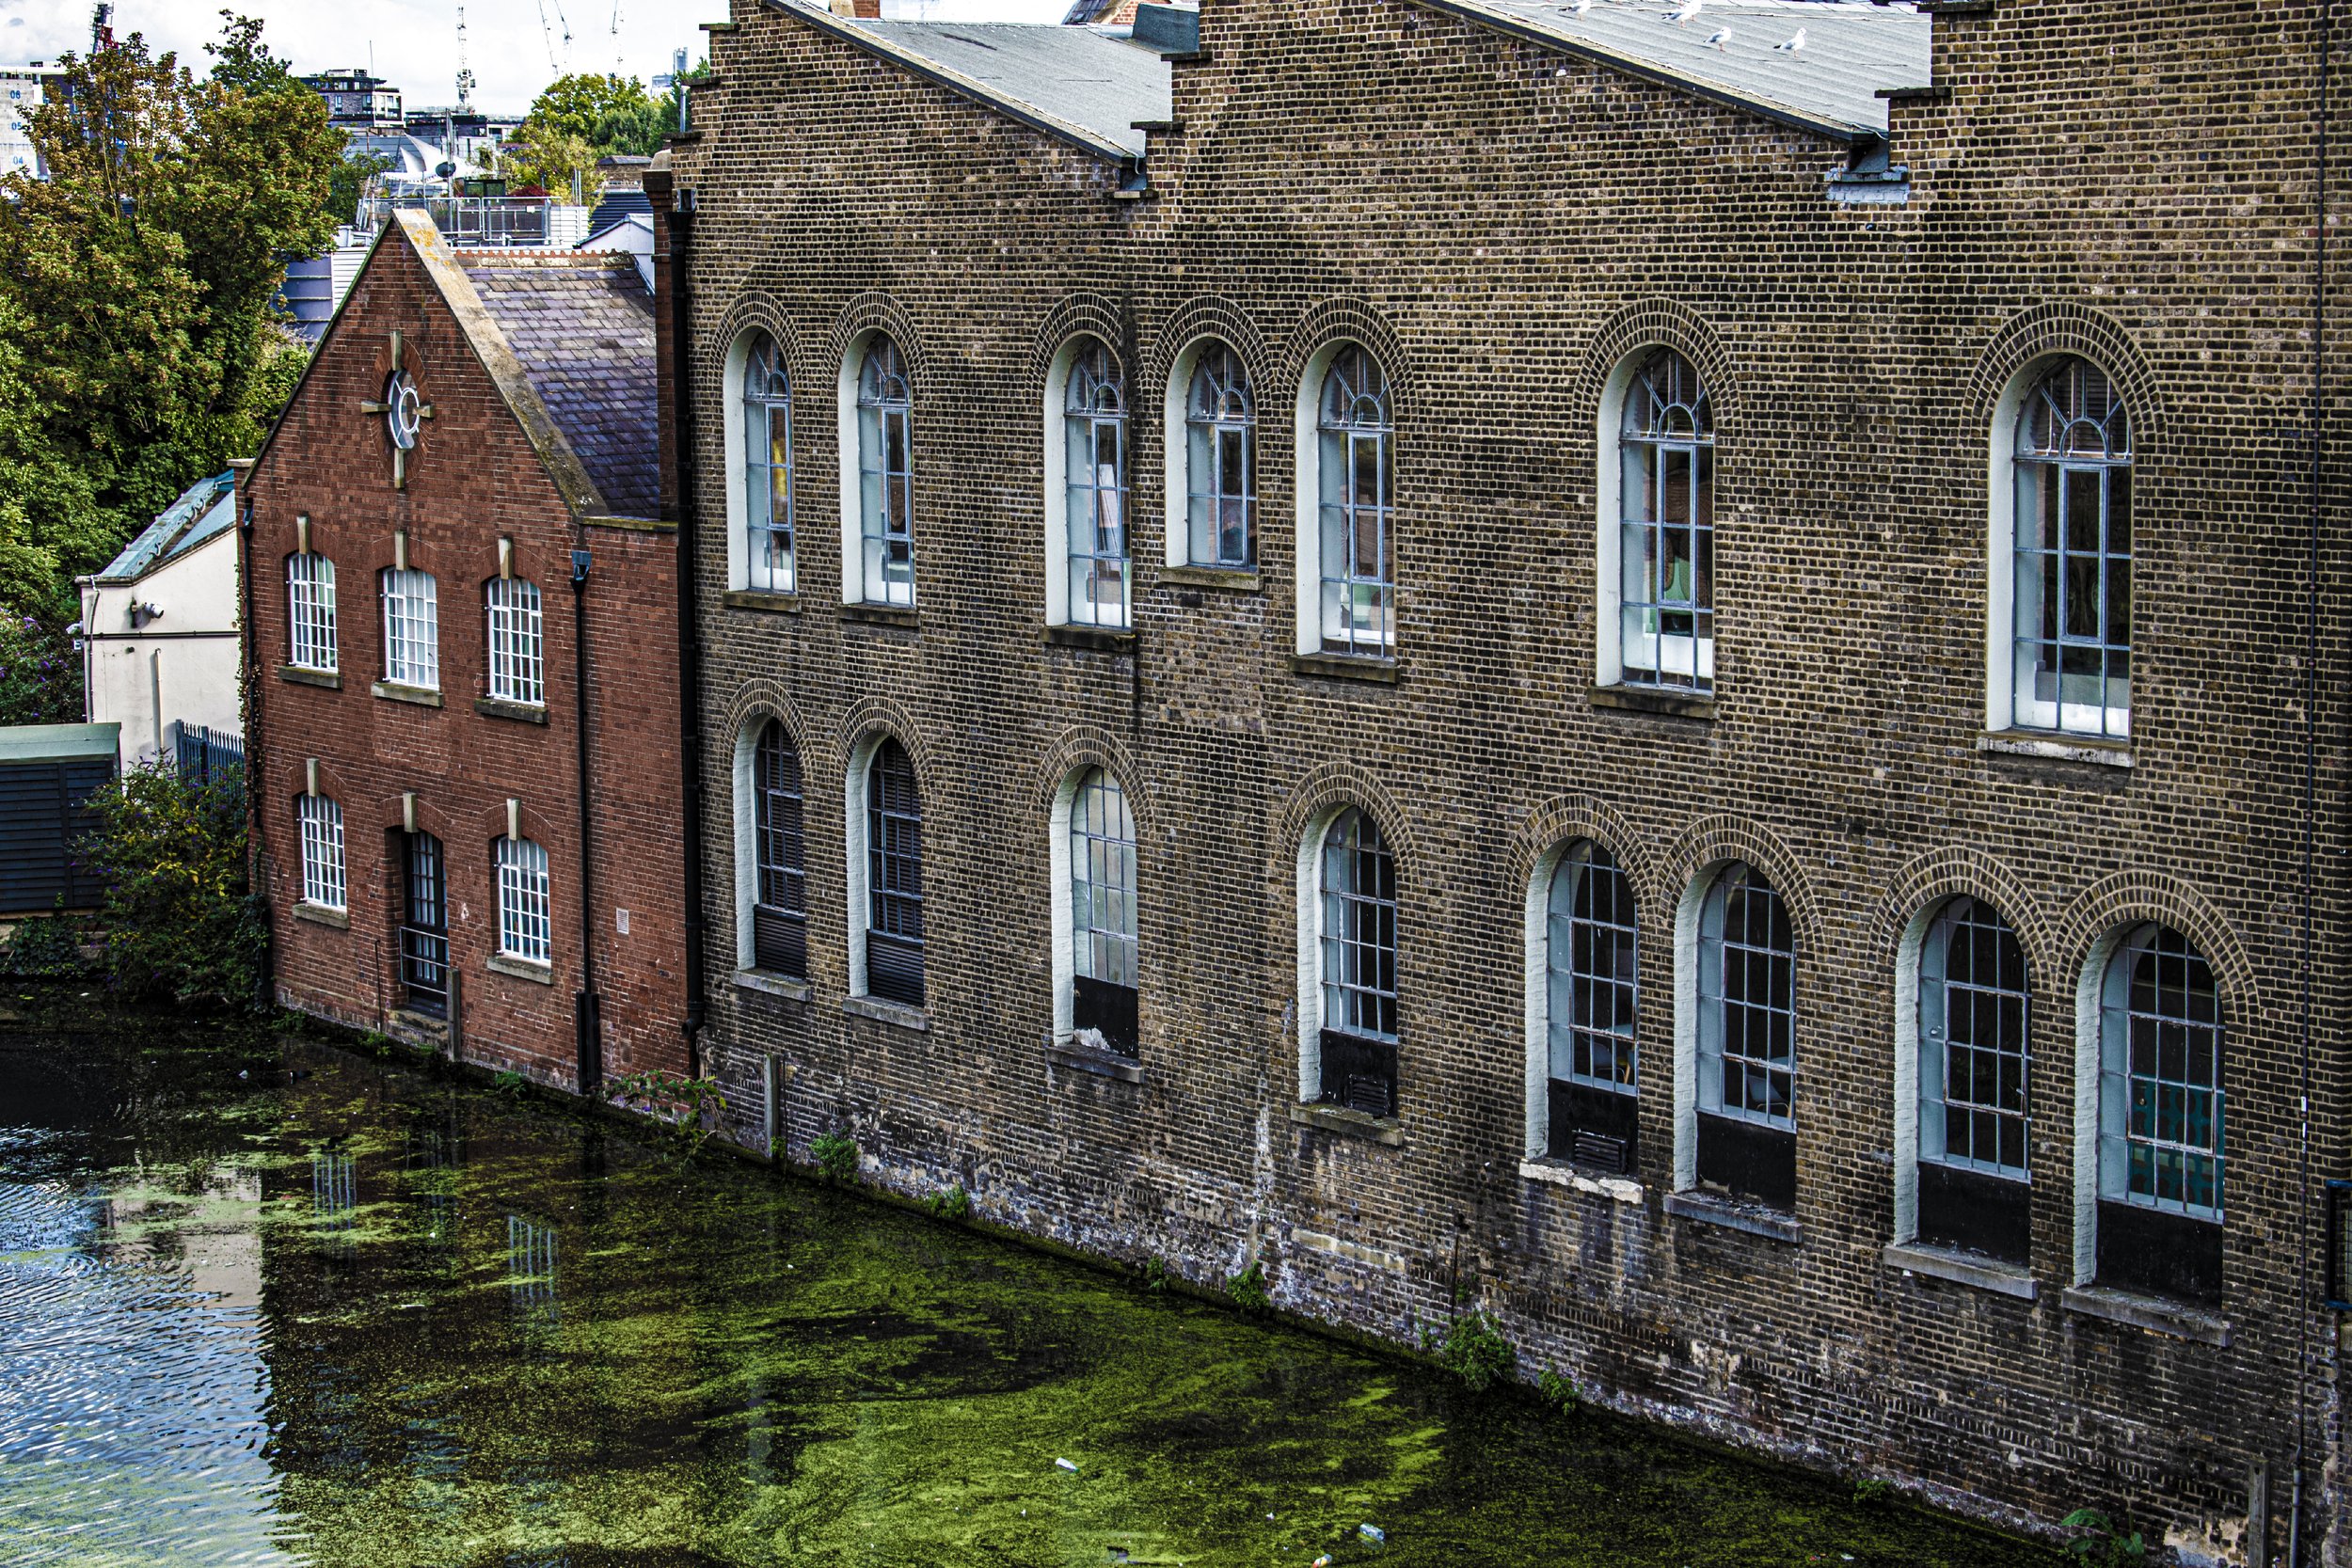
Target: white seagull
1793 45
1685 12
1584 6
1720 36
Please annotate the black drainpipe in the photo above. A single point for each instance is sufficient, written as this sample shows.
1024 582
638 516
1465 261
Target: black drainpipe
588 1007
256 892
689 617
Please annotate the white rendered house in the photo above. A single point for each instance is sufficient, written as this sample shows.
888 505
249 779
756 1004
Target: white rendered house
159 629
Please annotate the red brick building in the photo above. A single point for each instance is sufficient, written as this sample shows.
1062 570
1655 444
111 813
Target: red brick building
454 516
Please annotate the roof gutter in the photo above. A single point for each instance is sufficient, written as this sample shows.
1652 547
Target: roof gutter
939 75
1527 32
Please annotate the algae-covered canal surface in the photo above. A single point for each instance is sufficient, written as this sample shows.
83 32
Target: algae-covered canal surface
266 1303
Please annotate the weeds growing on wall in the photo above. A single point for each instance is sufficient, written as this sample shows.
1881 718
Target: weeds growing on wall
182 924
836 1155
2095 1541
1247 1289
1559 1393
44 947
1476 1351
677 1102
953 1204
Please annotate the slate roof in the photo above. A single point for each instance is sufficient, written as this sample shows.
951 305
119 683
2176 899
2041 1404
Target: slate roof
1852 49
582 324
1085 86
204 511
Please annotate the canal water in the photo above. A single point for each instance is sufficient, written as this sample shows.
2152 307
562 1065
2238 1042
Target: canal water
263 1300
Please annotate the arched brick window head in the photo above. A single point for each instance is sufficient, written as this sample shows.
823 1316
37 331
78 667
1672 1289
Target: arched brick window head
893 878
2071 668
1666 526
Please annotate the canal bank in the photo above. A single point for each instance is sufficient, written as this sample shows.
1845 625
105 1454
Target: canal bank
276 1301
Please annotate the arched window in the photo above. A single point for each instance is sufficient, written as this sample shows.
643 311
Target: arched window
1972 1073
1094 477
780 901
526 930
412 631
1357 966
1357 508
1746 1044
767 411
884 545
1665 527
310 610
2161 1101
894 876
518 661
1221 461
1102 913
2071 666
321 823
1591 994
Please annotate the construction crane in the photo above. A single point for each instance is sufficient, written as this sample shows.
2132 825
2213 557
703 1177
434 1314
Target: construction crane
548 34
616 38
465 72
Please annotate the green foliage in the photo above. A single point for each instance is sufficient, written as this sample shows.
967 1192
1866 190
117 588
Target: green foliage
638 128
574 106
1156 1275
347 181
1559 1393
2096 1542
542 156
507 1081
1873 1491
1247 1289
44 947
836 1155
1476 1351
953 1204
138 348
673 1100
41 677
182 924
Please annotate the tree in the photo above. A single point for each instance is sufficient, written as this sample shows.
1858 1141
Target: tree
573 105
636 128
540 155
181 926
348 182
242 61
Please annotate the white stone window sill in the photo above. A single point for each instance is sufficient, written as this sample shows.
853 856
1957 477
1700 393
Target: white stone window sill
521 969
323 915
1962 1268
891 1013
772 983
2058 747
1560 1173
2152 1313
1754 1219
1349 1124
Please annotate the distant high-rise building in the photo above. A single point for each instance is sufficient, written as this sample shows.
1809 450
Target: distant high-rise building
22 87
358 98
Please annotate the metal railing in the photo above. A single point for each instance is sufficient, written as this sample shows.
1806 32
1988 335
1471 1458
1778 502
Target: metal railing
424 970
204 756
465 220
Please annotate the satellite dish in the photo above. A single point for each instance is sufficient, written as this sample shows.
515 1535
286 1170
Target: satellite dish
445 169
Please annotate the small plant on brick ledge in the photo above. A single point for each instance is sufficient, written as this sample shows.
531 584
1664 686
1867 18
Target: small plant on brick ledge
1476 1351
673 1100
1247 1289
1559 1393
2096 1542
507 1081
836 1155
953 1204
1156 1275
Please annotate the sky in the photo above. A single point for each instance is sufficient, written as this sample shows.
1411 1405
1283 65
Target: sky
415 41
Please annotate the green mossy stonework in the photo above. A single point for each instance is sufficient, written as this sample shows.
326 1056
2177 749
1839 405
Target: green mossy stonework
1503 224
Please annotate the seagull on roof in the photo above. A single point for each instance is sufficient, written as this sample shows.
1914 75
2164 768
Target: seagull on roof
1584 6
1683 13
1791 45
1720 36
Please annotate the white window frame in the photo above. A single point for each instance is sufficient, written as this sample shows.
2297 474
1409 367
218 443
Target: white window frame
412 630
516 643
747 803
310 612
2000 627
1609 533
1307 458
1062 868
1176 428
849 441
1061 425
741 571
1909 1083
320 819
526 905
1537 969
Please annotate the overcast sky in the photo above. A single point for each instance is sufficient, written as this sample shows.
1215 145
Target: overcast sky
415 41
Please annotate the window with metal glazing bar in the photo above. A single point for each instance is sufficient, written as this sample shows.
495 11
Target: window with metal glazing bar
1973 1041
1220 446
526 930
1747 1001
894 876
2161 1095
1357 511
310 607
1094 424
885 475
1667 496
424 925
768 468
1359 954
780 912
517 641
2072 666
412 637
322 822
1592 968
1103 911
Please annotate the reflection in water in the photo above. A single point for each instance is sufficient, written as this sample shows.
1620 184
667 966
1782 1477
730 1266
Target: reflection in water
201 1363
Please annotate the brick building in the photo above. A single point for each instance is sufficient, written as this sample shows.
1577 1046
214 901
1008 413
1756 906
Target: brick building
1656 670
458 508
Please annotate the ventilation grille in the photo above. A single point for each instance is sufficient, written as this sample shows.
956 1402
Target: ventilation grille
1600 1153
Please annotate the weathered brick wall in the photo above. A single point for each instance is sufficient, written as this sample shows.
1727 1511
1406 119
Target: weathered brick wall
1502 224
473 478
